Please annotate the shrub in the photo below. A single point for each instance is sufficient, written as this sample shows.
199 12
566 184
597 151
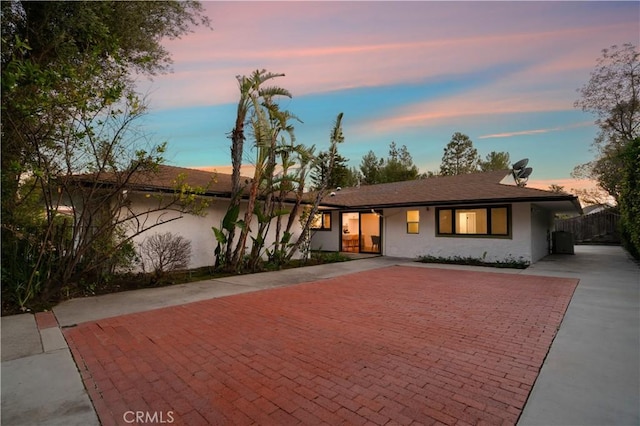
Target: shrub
630 198
329 256
459 260
162 253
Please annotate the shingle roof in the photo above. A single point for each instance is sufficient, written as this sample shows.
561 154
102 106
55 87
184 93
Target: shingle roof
165 179
461 189
473 188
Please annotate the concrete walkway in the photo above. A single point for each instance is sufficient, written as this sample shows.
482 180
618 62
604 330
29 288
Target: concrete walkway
591 375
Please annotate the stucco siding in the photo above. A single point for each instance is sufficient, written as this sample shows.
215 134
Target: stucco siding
196 229
327 240
397 242
541 225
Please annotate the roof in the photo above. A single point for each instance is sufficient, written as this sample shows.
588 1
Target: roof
596 208
214 183
475 188
165 179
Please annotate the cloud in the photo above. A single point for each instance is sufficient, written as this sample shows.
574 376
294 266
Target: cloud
485 101
536 131
365 45
500 69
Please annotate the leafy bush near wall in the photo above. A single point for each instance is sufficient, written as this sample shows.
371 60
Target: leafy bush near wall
630 198
329 256
510 262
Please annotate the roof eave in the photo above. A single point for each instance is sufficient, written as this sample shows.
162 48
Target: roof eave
437 203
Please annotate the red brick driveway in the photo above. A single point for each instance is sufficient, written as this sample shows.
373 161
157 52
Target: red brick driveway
400 345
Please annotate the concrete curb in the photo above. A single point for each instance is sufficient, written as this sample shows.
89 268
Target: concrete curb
41 383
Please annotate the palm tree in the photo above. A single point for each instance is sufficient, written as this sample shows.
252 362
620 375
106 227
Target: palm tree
267 122
251 92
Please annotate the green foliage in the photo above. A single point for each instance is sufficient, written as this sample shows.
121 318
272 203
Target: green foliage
460 260
277 257
229 223
495 161
281 170
303 243
342 175
397 167
256 107
370 167
460 157
328 257
190 197
30 255
630 198
67 105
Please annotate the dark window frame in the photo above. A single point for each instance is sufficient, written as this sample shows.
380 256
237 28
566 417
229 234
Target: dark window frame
417 222
323 226
488 209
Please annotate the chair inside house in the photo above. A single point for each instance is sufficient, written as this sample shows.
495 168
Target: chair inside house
375 243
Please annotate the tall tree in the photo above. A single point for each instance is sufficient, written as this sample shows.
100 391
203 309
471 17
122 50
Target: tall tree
460 157
68 99
399 165
370 167
495 161
60 57
277 188
303 242
612 95
342 175
252 93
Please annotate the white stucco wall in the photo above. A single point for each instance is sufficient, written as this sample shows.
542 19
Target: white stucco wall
530 224
541 226
196 229
397 242
327 240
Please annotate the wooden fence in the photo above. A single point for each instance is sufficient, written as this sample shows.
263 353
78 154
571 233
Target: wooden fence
600 227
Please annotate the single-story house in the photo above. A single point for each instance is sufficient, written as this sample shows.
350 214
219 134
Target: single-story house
145 192
484 216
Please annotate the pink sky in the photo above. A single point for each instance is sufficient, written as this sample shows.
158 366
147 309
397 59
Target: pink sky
504 73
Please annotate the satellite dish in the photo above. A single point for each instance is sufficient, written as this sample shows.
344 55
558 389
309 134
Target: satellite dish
521 164
525 173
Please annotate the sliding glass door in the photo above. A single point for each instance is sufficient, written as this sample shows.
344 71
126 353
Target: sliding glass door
361 232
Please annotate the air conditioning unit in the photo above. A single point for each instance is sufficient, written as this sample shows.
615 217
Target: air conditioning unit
562 242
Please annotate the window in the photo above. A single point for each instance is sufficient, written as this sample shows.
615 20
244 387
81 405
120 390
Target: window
321 221
472 221
478 221
413 222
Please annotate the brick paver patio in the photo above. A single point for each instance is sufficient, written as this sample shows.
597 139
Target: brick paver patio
400 345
